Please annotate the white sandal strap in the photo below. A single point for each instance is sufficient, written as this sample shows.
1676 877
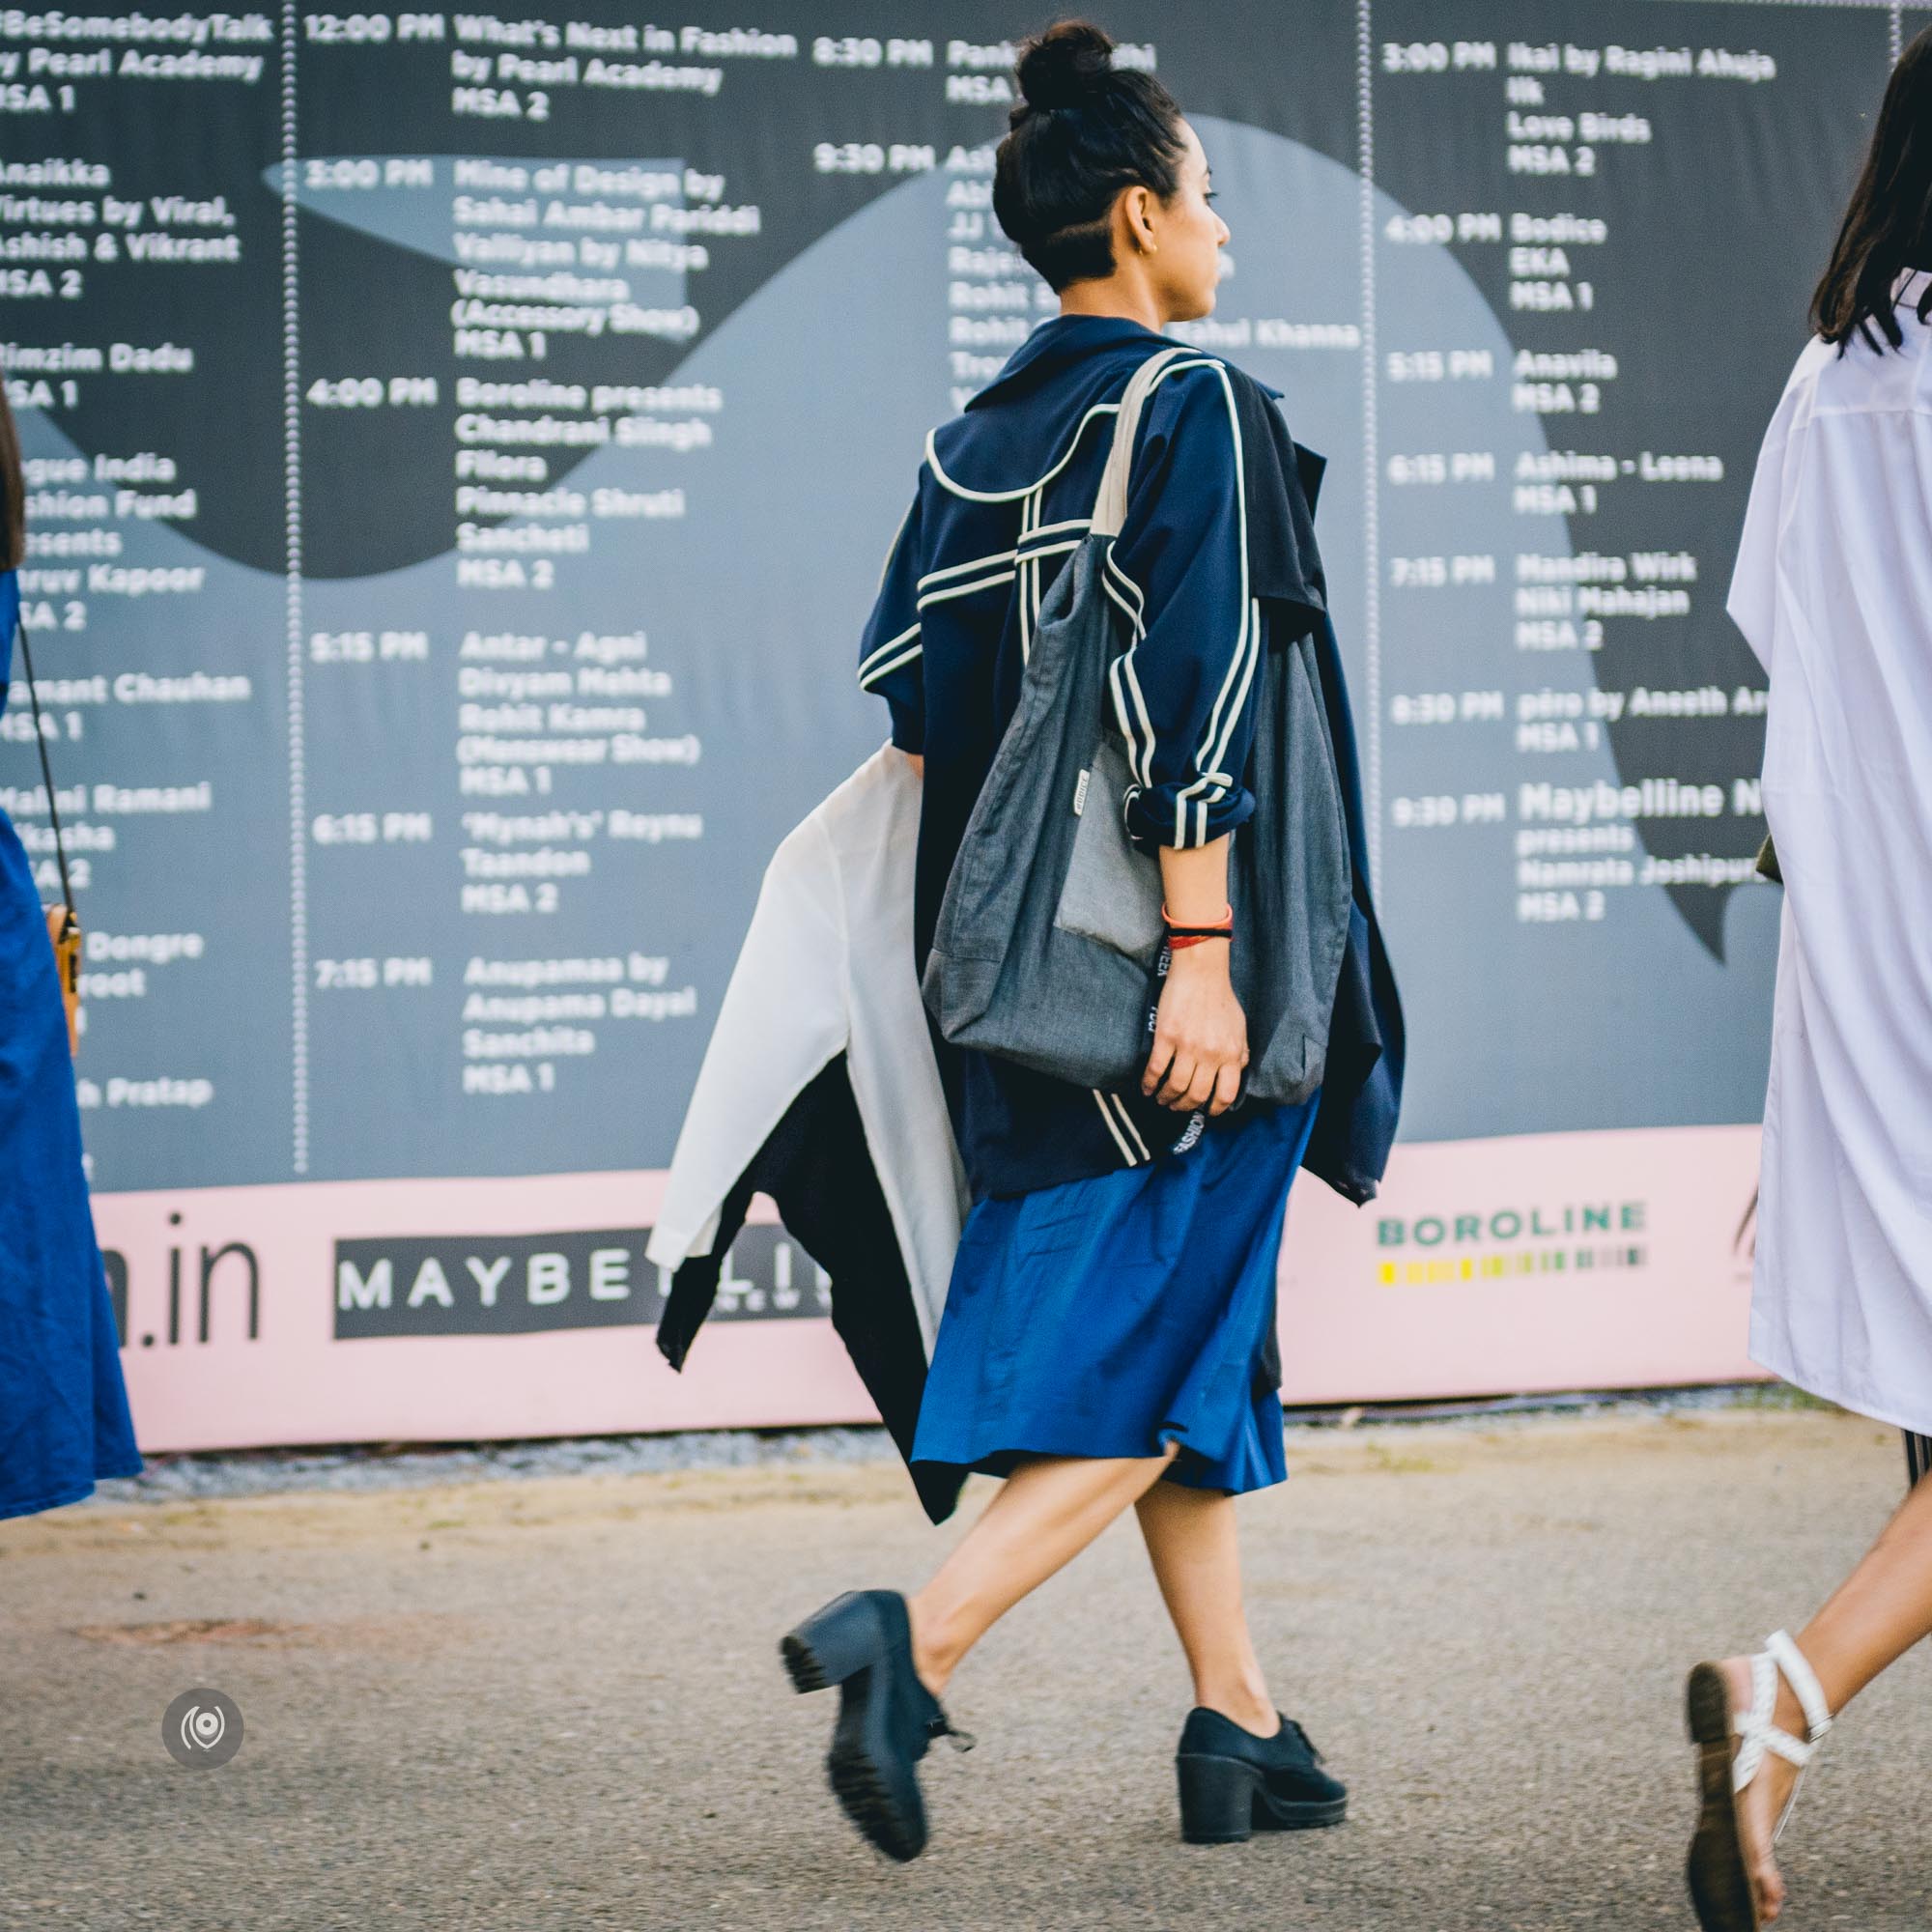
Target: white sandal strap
1799 1674
1794 1750
1758 1734
1754 1728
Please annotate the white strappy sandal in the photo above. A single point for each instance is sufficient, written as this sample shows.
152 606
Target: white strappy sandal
1721 1886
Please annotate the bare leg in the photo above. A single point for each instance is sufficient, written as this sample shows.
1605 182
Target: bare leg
1046 1513
1872 1619
1192 1545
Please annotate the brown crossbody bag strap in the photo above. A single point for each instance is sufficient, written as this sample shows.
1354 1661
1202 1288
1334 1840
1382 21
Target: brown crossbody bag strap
63 921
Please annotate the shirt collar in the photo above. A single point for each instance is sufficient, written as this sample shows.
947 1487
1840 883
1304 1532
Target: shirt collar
1063 340
1056 344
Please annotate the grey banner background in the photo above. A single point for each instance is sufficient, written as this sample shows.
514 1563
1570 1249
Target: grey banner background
827 336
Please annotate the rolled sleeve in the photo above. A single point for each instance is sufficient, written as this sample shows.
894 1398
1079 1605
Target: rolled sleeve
890 652
1181 693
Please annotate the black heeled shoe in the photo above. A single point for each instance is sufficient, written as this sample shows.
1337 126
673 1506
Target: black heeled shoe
887 1719
1233 1782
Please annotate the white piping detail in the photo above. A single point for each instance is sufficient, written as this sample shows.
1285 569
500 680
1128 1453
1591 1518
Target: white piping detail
1237 680
1038 550
987 582
1029 506
1128 1121
1127 583
1119 1139
1029 584
1025 489
867 679
890 644
1140 741
1210 784
1009 555
1255 635
960 569
965 589
1133 615
1220 724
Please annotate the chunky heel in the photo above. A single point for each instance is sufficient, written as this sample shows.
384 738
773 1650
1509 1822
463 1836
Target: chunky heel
887 1718
1217 1799
1235 1781
833 1643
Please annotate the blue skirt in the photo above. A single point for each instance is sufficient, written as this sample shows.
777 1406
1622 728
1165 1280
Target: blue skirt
1111 1316
64 1420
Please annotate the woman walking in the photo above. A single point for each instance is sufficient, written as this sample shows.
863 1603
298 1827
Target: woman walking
1107 1338
1834 592
63 1419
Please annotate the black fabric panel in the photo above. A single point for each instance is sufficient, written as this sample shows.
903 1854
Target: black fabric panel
818 1168
1362 1090
1284 560
694 1287
1267 1377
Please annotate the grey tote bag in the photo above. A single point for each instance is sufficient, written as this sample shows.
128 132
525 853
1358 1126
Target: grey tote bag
1049 948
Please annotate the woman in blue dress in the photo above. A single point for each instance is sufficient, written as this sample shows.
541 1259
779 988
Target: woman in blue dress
1107 1339
64 1421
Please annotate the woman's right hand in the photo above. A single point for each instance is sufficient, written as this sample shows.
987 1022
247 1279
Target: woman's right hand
1201 1034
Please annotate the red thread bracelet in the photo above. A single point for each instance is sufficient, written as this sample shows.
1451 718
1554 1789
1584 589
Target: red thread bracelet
1180 936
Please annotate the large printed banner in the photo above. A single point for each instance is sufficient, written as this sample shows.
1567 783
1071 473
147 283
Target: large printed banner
462 447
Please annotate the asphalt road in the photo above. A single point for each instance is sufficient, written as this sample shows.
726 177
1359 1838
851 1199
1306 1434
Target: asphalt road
556 1703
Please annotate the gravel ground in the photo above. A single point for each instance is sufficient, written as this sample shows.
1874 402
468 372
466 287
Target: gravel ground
406 1465
359 1466
553 1705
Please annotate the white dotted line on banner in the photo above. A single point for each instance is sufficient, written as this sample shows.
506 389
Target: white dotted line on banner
292 594
1371 616
1853 6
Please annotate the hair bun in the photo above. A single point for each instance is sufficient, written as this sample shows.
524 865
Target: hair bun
1065 65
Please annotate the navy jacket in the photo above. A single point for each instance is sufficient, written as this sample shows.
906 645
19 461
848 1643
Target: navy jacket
1216 558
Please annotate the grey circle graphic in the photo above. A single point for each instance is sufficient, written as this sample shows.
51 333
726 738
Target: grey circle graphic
202 1728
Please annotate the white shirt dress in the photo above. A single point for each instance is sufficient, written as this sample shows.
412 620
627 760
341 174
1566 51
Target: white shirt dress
1834 592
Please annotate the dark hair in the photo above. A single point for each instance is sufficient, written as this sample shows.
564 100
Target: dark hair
13 494
1081 132
1888 225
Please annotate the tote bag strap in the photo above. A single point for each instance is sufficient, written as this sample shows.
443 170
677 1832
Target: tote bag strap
46 768
1110 505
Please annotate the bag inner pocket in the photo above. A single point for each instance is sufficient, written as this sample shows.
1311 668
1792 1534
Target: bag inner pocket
1113 891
